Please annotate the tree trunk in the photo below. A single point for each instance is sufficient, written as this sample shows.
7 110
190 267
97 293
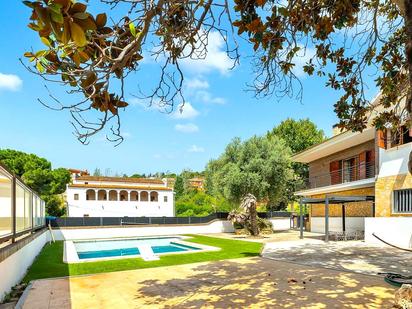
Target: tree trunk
253 219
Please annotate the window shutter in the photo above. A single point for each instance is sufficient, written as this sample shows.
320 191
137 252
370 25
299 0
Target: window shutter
362 165
335 172
381 136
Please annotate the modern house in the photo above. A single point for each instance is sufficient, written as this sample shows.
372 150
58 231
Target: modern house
95 196
370 168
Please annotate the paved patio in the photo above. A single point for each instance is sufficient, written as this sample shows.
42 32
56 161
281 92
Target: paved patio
287 235
353 256
249 282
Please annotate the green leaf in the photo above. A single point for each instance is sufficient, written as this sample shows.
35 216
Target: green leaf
81 15
39 67
55 7
132 29
45 41
57 17
78 35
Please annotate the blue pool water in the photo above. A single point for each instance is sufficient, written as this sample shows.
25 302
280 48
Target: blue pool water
123 247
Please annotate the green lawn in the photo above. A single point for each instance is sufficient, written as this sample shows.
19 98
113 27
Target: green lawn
50 264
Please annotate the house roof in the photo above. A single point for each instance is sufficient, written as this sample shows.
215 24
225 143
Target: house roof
337 199
102 186
120 179
334 144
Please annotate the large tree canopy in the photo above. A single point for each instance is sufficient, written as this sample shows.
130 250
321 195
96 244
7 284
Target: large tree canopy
38 175
298 134
342 40
258 166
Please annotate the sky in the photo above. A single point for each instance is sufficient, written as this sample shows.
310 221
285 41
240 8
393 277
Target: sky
218 108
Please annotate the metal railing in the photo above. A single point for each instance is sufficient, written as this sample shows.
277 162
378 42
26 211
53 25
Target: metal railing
355 172
22 211
138 221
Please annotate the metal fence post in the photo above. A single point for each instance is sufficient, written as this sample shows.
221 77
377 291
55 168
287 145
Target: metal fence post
13 207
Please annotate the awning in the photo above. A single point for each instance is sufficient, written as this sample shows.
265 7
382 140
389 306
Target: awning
332 200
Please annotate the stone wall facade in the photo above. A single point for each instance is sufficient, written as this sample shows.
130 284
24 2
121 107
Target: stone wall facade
357 209
384 193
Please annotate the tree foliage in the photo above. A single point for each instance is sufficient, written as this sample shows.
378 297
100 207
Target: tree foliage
260 166
298 134
38 175
343 41
200 204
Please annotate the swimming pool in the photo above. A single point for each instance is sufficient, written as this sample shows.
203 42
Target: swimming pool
148 248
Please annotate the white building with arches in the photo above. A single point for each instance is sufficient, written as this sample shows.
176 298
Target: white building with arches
92 196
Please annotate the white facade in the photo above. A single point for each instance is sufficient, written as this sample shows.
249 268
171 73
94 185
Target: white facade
119 197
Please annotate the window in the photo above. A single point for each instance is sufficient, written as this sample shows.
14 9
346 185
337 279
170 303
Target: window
402 201
165 199
76 196
401 136
349 170
86 215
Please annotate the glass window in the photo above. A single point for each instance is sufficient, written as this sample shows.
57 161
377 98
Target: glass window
5 204
20 201
76 196
165 199
27 209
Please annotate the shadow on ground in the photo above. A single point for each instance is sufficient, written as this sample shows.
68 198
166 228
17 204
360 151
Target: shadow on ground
347 256
262 283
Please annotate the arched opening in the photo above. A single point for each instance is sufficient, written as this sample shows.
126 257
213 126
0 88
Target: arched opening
112 195
134 196
90 195
144 196
102 195
124 195
154 196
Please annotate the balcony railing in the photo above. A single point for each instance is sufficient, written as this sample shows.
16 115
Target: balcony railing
356 172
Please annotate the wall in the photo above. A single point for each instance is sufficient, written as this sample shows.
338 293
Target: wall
335 224
393 175
394 230
280 224
321 166
14 267
96 208
217 226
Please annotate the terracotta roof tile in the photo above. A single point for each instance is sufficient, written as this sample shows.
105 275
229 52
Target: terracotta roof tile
120 179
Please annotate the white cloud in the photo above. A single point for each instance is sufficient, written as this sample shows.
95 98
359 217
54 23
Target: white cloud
196 83
206 97
185 111
187 128
216 58
10 82
195 148
302 57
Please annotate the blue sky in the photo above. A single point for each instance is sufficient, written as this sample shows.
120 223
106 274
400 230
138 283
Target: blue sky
218 108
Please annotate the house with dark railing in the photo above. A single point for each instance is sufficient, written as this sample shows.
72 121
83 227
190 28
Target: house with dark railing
368 173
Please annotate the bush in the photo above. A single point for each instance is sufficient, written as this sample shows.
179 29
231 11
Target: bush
199 204
54 205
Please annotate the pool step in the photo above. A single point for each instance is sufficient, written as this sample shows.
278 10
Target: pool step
146 253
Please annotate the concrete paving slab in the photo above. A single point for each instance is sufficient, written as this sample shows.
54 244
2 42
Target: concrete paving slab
353 256
240 283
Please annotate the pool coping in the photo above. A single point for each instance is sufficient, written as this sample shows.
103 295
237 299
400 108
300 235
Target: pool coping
70 255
